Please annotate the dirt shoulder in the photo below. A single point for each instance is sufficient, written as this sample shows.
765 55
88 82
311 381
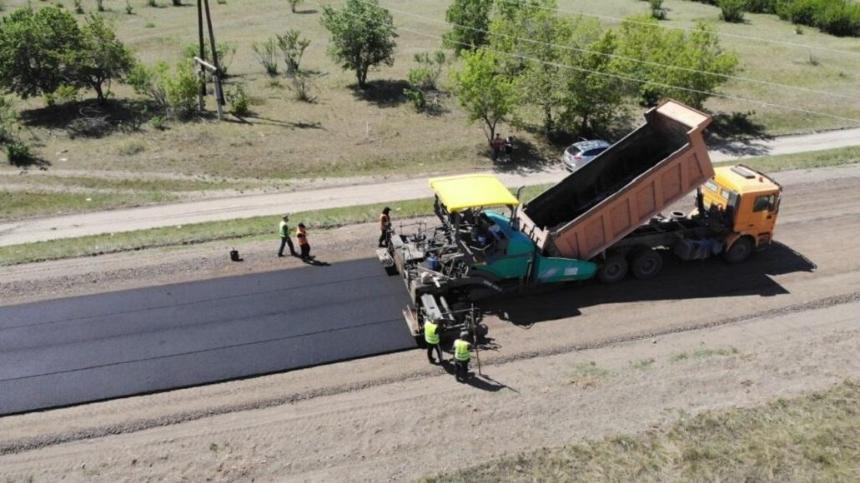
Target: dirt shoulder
783 324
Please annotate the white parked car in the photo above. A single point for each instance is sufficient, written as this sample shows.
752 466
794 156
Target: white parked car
579 154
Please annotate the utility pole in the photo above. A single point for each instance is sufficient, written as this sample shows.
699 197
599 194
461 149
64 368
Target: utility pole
213 68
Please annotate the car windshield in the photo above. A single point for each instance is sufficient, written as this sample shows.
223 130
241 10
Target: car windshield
573 150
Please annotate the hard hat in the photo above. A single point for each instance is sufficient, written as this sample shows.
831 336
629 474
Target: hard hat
464 334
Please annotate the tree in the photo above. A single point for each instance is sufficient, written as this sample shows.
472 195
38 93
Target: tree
362 36
102 58
484 91
34 45
687 67
470 20
45 49
536 40
593 98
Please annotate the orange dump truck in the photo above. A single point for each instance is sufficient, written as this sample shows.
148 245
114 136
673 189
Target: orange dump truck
609 210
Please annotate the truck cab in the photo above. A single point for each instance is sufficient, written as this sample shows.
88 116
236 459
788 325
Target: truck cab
748 202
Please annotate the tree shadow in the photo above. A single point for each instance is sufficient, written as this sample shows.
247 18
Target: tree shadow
31 161
678 281
90 118
736 134
382 93
525 157
255 119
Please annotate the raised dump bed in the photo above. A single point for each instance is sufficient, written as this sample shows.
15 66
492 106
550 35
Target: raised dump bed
624 187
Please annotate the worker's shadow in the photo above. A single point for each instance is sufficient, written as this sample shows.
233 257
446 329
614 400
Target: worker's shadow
314 262
479 381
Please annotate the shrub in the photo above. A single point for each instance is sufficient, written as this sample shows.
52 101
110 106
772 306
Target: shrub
266 53
100 5
79 7
18 153
657 10
238 101
128 8
292 47
63 95
174 93
302 85
732 10
225 52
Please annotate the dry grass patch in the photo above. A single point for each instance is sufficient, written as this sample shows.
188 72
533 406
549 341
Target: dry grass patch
810 438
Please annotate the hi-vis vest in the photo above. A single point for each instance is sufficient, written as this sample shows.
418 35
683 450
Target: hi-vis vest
283 229
430 334
461 350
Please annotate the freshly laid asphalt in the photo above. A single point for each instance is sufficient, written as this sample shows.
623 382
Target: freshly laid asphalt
82 349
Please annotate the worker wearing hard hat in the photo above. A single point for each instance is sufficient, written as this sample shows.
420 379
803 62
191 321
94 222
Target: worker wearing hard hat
462 346
284 231
431 337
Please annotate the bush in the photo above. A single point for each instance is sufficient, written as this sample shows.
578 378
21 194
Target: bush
238 101
63 95
18 153
837 17
657 10
732 10
301 85
267 54
293 47
225 52
174 93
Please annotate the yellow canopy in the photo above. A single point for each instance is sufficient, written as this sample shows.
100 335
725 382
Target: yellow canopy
459 193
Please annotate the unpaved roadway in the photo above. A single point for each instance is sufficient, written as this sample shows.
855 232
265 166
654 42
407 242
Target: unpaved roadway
584 361
67 226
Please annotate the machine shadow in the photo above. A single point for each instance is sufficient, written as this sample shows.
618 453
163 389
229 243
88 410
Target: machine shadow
678 281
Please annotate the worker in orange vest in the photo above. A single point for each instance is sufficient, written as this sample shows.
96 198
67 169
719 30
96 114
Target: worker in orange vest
384 227
302 236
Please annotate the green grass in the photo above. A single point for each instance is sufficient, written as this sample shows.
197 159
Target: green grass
346 133
129 184
17 204
248 228
809 160
809 438
235 230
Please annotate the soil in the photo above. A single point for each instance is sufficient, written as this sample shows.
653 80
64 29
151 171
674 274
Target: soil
585 361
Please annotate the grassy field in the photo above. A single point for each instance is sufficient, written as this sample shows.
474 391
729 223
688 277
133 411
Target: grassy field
810 438
349 133
237 231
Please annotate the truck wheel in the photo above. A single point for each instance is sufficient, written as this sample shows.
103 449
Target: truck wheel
739 251
646 264
613 270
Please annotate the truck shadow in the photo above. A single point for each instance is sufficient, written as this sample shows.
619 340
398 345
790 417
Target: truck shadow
678 280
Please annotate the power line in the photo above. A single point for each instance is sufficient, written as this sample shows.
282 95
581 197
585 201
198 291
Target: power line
688 29
641 81
633 59
634 79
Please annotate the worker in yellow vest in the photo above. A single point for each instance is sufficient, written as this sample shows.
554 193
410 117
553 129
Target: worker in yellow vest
432 328
462 355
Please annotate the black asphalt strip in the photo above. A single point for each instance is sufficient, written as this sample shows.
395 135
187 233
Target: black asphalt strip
75 350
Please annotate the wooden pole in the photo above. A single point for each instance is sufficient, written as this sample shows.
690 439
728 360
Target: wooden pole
201 72
219 92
